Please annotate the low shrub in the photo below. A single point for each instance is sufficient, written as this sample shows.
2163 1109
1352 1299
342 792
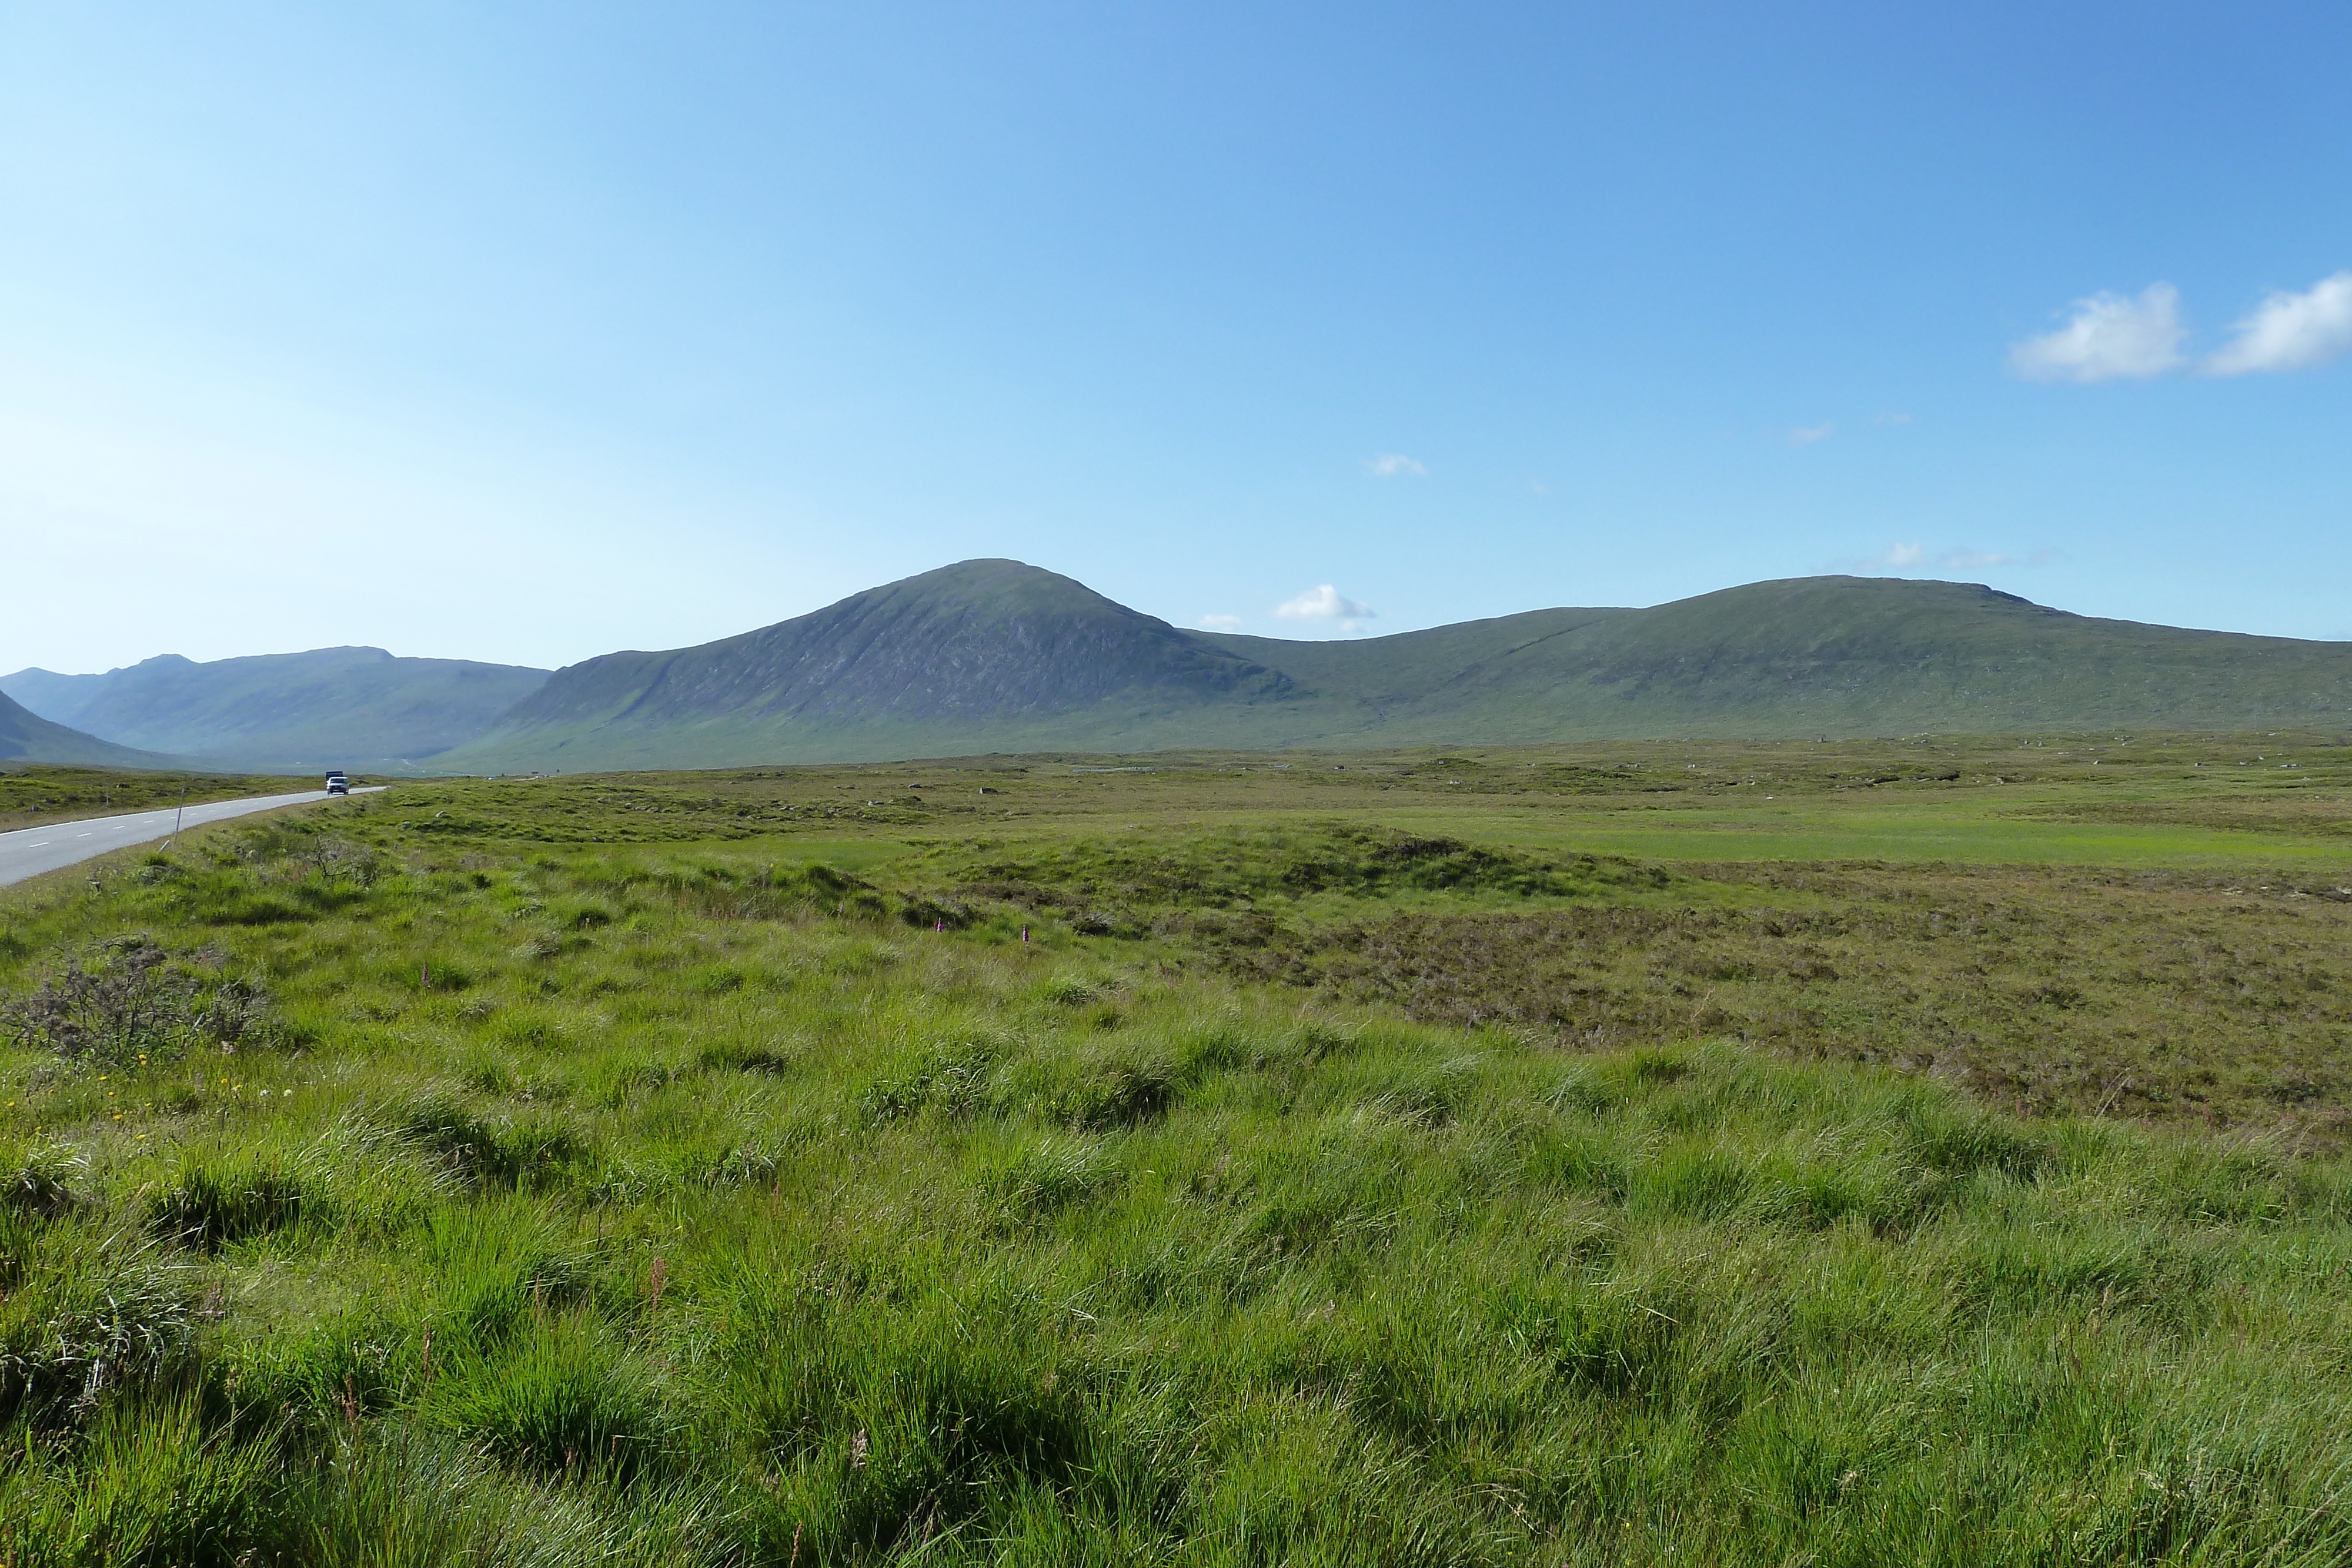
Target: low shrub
132 1004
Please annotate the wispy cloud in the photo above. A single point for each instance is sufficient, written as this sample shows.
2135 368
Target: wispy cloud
1892 419
2108 337
1395 465
2290 331
1325 603
1221 622
1805 435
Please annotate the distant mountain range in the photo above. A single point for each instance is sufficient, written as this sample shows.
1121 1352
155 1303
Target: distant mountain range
331 707
994 655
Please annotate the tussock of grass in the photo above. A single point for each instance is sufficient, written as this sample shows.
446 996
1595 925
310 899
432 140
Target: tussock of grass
38 1182
488 1150
90 1315
208 1203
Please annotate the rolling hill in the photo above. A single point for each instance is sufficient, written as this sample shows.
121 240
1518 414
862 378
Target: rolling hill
358 707
994 656
26 737
1840 656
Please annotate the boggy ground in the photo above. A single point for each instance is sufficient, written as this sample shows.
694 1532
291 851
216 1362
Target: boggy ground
625 1170
2126 993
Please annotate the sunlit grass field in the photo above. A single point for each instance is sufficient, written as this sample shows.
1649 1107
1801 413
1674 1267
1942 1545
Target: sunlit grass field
1904 831
1517 1158
31 794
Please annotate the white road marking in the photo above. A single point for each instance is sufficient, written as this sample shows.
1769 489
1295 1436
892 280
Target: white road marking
20 857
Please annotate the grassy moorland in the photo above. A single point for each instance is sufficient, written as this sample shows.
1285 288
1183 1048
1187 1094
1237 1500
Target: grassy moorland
34 793
1534 1156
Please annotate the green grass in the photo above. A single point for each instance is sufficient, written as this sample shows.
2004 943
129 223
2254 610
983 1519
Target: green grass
667 1171
1903 832
31 794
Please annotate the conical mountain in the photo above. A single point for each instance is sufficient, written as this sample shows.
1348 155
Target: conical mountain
984 655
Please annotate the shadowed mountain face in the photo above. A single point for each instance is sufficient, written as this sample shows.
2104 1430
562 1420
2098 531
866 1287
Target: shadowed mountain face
981 648
26 737
357 707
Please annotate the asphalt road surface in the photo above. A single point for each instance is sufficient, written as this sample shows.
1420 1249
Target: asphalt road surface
29 852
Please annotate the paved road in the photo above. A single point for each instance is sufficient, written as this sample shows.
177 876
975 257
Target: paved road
29 852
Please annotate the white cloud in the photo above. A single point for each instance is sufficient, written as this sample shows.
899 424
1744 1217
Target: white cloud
2108 337
1900 557
1221 622
2290 331
1977 560
1391 465
1806 435
1324 604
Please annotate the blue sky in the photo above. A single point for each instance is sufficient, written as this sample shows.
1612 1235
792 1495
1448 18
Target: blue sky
525 333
